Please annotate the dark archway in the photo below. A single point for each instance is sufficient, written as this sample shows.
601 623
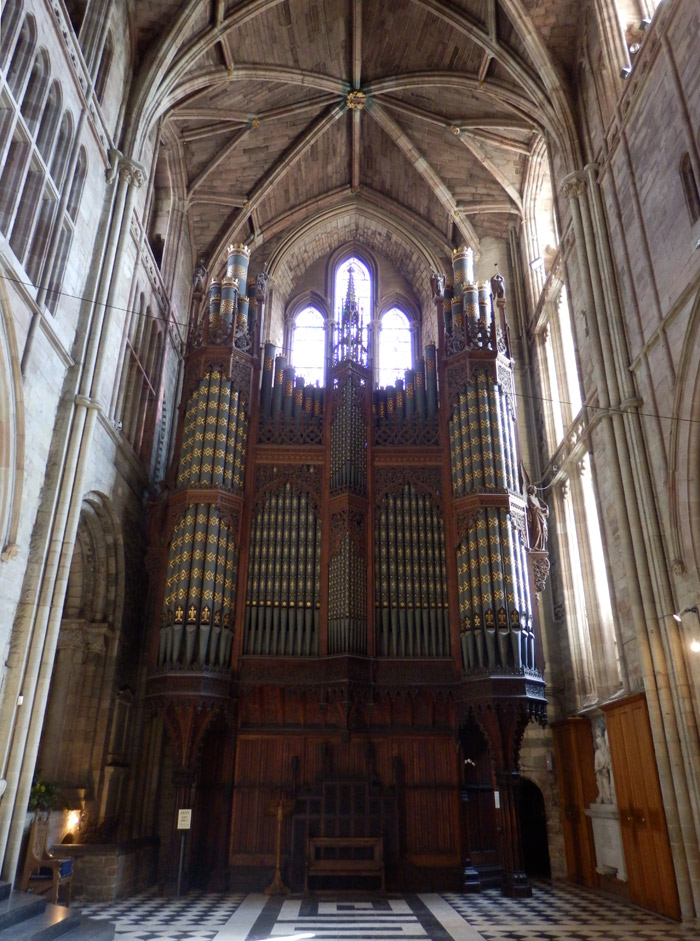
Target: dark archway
533 828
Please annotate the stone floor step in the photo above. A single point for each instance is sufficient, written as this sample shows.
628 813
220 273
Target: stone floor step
19 906
90 929
55 921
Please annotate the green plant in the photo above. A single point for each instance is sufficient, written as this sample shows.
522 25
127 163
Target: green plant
43 795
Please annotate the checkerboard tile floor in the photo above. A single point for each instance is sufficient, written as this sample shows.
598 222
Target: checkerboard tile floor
563 912
558 912
148 917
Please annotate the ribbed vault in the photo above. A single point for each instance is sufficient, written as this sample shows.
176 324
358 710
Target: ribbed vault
275 109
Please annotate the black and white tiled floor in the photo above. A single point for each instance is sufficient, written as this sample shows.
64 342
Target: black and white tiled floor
556 912
149 917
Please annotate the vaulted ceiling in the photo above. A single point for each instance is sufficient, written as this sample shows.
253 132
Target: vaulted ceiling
276 114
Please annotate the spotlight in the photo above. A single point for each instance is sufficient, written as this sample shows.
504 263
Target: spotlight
644 25
625 72
678 616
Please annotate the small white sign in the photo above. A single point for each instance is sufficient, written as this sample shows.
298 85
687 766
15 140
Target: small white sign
496 800
184 819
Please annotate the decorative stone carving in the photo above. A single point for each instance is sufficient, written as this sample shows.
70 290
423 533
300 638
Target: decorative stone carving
356 100
537 516
540 569
603 767
437 284
610 857
199 276
574 187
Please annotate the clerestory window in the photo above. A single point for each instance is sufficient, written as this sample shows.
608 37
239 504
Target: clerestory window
309 345
395 349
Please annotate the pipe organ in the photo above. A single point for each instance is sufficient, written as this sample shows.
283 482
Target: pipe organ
344 573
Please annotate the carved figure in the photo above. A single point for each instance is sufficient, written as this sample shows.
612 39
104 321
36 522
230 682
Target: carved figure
603 768
498 287
537 516
261 285
437 284
199 277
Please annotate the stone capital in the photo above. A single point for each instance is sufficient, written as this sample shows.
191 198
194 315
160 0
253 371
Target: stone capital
131 172
574 186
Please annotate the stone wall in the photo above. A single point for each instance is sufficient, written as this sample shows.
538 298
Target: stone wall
103 872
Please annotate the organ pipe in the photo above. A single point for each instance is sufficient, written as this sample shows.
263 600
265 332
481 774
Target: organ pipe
283 576
410 577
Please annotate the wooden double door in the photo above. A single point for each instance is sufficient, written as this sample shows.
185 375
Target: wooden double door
652 880
651 877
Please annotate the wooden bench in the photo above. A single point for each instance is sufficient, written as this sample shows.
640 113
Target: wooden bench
345 856
43 872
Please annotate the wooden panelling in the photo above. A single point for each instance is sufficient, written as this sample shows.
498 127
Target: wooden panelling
573 751
420 771
645 840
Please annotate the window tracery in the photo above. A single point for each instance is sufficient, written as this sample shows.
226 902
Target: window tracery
36 135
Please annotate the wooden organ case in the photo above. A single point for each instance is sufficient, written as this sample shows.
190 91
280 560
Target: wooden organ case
343 588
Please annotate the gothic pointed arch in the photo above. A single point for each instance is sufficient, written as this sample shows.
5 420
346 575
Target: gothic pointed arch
12 442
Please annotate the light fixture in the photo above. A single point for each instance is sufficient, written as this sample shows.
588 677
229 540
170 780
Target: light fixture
73 819
678 616
625 72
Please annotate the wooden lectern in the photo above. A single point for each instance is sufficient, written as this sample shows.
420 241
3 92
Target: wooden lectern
280 808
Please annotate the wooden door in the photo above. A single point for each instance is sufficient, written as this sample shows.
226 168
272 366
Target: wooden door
652 880
573 758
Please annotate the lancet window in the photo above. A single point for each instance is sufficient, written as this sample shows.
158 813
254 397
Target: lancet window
561 394
309 345
362 285
395 352
36 134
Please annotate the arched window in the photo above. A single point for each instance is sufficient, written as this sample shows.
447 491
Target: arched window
76 187
33 100
22 58
395 353
60 154
27 208
10 22
66 235
49 121
690 188
363 292
309 345
11 179
104 67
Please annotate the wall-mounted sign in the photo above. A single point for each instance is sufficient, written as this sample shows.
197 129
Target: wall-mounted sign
184 819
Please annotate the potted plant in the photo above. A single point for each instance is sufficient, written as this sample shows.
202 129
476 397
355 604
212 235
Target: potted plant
43 796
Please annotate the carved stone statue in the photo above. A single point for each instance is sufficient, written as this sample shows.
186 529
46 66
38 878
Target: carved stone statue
603 767
199 276
537 516
261 285
437 284
498 287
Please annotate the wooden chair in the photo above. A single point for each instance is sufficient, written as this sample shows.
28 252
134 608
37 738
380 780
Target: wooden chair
42 871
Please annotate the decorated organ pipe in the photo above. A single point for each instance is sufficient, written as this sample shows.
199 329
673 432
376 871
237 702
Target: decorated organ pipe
493 580
283 576
204 498
410 576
